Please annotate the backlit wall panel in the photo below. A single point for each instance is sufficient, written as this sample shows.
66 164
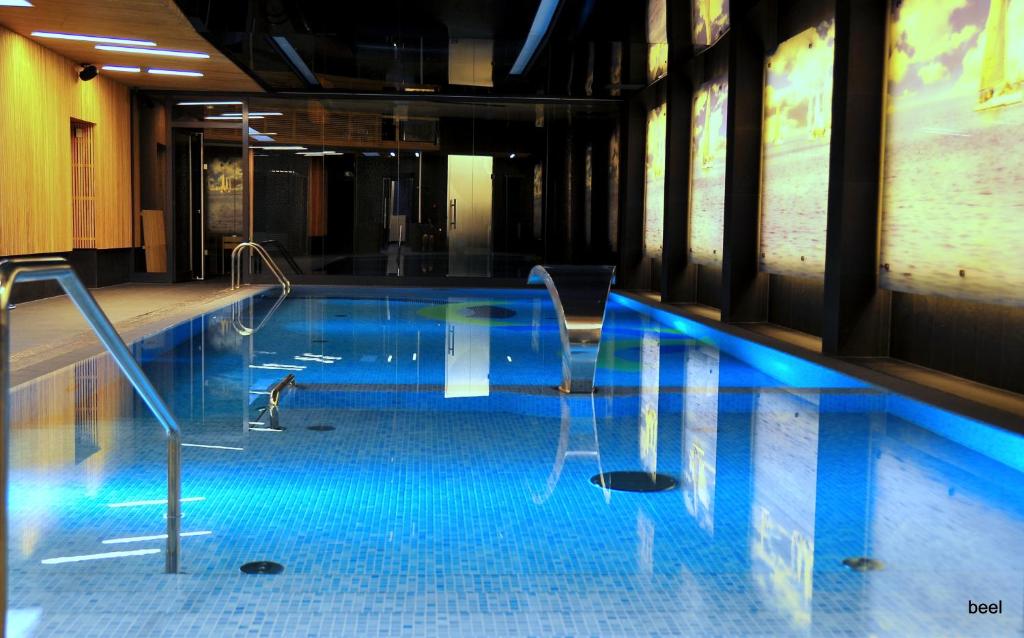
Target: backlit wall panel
953 189
654 181
707 172
710 21
795 141
657 40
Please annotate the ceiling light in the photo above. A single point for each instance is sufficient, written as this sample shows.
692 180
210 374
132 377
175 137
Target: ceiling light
511 155
15 3
92 38
417 153
190 74
231 117
392 153
167 52
254 114
121 69
283 148
206 103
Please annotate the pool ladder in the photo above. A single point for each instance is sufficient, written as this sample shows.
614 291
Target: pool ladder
59 270
274 400
236 265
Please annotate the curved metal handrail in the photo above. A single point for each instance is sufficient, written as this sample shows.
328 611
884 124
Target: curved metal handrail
580 295
576 418
58 269
236 265
236 316
268 243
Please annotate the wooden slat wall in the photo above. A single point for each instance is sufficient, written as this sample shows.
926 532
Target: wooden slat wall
317 222
83 187
40 94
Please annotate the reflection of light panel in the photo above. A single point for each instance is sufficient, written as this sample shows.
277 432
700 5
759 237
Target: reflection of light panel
785 472
650 368
795 153
154 537
654 182
84 557
707 172
467 362
190 499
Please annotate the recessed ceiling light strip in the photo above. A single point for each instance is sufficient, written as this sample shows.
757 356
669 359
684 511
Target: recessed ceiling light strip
165 52
102 39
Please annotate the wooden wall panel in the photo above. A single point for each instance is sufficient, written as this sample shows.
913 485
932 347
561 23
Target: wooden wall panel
40 94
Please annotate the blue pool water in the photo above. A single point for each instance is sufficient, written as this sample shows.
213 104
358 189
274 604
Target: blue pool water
453 496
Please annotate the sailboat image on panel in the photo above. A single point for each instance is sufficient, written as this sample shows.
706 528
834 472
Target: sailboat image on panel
999 86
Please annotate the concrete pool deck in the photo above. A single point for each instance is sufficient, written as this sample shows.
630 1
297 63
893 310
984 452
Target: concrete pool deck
48 334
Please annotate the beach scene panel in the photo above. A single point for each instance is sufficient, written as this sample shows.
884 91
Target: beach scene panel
707 172
654 181
953 186
710 21
796 138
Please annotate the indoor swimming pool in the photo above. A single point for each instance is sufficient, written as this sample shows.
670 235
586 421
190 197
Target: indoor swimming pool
428 478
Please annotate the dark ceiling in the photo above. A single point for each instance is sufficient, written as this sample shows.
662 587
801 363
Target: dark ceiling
401 45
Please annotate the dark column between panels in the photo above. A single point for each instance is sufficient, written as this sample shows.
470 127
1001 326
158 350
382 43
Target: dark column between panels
631 208
678 277
744 289
856 311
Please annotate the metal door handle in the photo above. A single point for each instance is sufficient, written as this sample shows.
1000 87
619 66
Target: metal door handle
455 212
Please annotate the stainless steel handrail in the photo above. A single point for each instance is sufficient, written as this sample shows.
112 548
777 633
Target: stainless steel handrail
236 315
580 295
274 400
236 265
58 269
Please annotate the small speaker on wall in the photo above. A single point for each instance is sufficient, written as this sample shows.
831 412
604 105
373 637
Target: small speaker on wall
88 72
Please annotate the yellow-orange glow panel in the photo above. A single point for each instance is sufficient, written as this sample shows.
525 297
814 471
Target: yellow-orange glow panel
953 180
657 40
707 172
795 153
654 182
710 21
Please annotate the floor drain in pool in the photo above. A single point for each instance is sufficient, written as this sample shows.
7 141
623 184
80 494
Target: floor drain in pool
319 341
321 428
634 481
864 564
262 567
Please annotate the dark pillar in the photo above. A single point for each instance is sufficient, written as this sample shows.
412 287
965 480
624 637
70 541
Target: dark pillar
678 276
631 207
744 289
856 313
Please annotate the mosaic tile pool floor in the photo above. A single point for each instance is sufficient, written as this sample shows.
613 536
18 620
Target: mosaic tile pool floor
453 496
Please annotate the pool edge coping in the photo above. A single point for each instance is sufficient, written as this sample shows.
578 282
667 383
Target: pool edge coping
960 405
